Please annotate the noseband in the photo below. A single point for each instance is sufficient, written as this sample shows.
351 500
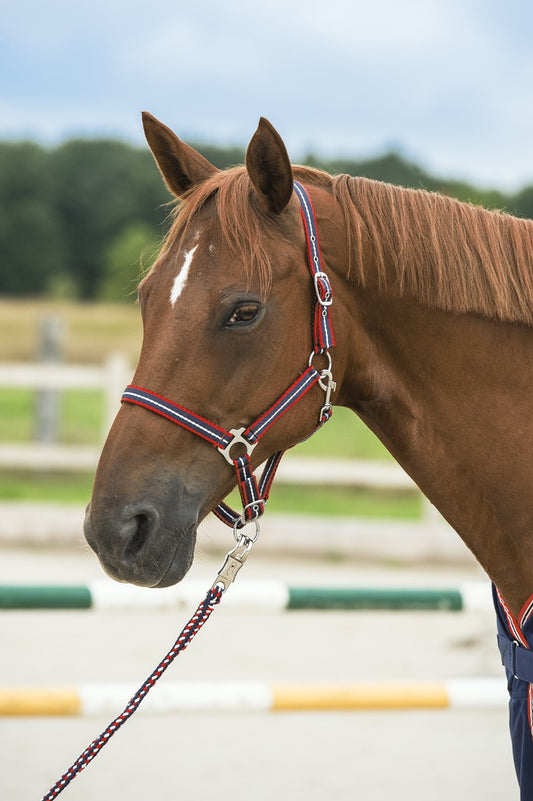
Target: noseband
255 494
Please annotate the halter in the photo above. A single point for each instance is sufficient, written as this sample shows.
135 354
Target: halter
254 494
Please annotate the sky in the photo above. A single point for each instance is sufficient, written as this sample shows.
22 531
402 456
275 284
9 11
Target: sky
446 83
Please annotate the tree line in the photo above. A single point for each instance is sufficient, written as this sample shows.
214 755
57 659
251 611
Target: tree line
78 219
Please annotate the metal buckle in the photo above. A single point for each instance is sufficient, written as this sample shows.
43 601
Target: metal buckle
256 508
321 276
237 439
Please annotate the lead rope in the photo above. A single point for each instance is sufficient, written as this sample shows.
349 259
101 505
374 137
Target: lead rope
232 564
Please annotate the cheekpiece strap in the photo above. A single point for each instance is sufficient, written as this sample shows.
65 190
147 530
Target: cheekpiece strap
323 337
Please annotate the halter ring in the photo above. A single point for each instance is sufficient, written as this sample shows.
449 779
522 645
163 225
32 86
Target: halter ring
237 439
243 539
325 353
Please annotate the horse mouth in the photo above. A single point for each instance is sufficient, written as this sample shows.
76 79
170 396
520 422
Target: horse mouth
148 558
181 559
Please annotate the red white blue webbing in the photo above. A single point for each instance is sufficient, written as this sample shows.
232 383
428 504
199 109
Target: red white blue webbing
177 414
254 495
253 501
214 434
323 337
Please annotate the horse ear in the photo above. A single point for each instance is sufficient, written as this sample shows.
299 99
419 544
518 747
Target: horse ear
269 167
181 166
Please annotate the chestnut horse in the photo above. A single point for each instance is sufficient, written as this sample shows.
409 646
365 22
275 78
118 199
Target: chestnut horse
432 314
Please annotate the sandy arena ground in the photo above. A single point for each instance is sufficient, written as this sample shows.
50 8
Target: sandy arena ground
427 755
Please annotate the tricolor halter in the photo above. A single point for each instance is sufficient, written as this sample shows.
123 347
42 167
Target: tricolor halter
254 494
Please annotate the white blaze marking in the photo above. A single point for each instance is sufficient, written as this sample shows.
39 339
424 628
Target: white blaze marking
181 278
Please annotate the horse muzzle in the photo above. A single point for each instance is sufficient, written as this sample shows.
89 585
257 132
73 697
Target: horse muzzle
140 544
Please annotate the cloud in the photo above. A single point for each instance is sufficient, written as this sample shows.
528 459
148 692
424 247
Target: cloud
447 81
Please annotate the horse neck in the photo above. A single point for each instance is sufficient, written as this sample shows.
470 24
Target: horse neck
449 396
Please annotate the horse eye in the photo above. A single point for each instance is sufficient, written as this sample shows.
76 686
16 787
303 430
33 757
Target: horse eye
246 313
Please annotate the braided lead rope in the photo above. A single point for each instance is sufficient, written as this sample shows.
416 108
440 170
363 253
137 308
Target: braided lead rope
191 628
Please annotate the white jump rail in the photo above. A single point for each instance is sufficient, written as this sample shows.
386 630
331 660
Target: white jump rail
110 378
307 472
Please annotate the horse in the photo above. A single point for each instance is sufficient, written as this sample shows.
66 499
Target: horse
433 350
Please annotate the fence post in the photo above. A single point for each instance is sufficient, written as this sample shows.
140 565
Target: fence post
116 378
47 401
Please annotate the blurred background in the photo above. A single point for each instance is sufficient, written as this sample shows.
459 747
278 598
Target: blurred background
433 94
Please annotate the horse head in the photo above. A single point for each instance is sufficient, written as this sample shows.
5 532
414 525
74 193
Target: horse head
226 317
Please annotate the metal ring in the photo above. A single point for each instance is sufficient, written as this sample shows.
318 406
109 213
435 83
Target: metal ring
327 354
240 537
237 439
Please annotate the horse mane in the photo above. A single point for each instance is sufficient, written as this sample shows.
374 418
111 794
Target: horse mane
445 253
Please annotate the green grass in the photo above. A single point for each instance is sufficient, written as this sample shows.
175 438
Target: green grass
81 415
50 487
344 437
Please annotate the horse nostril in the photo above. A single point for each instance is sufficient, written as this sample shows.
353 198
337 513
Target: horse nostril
142 525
